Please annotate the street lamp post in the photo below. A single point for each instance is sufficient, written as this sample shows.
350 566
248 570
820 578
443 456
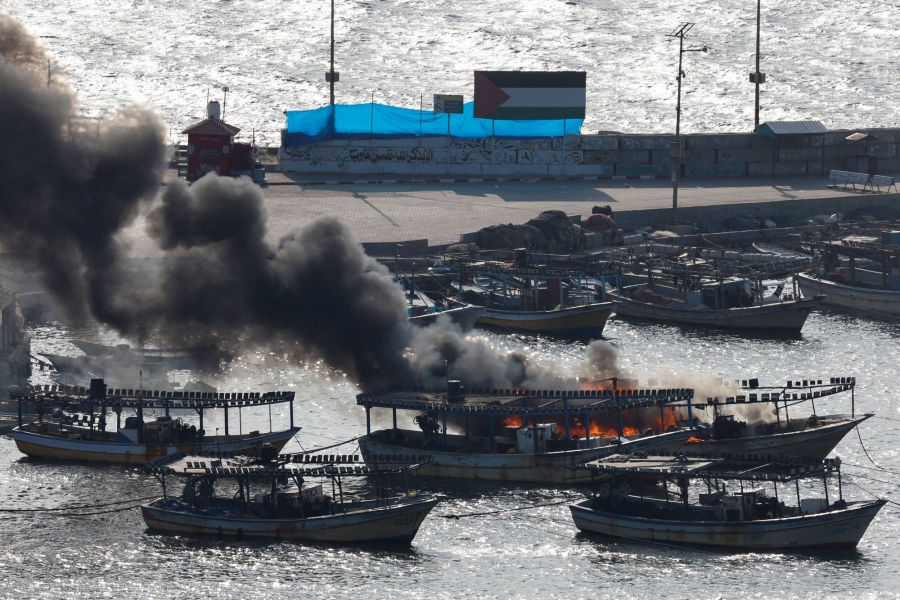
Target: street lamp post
757 77
331 76
678 145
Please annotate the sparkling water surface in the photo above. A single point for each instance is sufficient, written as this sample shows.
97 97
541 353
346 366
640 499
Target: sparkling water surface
828 61
521 554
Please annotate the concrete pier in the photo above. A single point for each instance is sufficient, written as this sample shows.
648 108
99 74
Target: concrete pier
429 214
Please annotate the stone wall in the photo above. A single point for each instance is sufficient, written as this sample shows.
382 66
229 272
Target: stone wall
612 155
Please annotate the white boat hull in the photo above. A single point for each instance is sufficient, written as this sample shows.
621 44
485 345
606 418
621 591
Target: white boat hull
587 320
883 302
394 521
813 443
49 446
789 315
834 529
550 467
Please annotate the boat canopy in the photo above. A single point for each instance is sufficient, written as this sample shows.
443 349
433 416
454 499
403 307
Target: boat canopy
505 402
228 465
680 466
132 398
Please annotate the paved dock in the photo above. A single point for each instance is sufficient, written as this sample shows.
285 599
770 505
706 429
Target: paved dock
440 212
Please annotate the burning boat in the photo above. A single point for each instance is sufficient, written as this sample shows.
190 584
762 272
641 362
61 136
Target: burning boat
283 508
523 435
744 517
811 436
71 424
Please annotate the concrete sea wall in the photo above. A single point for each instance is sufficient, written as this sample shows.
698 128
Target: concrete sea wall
610 155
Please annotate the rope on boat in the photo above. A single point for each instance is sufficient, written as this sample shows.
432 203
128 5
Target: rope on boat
81 507
505 510
853 483
864 448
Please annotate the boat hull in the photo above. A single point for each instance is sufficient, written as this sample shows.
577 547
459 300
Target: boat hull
586 320
815 443
835 529
397 523
465 317
550 467
784 316
48 446
883 302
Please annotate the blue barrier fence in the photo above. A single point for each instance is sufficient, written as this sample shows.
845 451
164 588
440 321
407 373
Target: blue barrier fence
356 121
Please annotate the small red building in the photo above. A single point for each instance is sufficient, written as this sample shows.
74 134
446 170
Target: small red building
209 145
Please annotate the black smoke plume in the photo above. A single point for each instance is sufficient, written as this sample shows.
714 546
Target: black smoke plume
70 187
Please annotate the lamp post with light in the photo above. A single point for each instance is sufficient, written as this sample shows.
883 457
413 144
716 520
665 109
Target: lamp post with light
678 145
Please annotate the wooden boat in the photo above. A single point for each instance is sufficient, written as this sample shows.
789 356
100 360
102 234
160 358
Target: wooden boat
869 299
548 300
787 436
78 429
813 437
494 443
713 305
121 366
587 320
196 357
744 520
285 509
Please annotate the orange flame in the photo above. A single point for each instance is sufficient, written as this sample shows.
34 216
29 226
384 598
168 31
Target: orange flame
512 422
693 440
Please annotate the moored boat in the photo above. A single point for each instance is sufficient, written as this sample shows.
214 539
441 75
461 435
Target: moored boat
754 423
880 301
71 424
743 519
714 305
285 508
586 320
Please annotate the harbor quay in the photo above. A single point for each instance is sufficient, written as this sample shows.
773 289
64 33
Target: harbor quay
438 213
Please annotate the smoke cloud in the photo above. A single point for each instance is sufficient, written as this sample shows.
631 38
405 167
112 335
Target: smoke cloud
70 187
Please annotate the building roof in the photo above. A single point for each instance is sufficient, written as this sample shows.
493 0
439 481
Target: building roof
212 127
861 137
781 128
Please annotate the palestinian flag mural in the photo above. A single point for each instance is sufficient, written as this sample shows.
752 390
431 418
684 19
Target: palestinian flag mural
529 95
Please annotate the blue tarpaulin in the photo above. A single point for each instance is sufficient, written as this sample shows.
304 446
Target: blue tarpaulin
355 121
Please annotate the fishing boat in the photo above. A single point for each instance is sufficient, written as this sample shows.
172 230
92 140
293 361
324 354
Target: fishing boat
839 291
728 304
742 517
852 286
283 507
424 311
547 300
195 357
752 423
518 435
582 321
71 424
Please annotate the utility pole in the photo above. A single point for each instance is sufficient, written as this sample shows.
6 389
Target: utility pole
757 77
678 145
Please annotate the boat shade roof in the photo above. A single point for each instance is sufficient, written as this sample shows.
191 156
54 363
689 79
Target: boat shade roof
793 468
65 395
502 402
222 465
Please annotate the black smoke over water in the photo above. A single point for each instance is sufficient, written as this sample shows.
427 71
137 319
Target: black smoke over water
69 188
